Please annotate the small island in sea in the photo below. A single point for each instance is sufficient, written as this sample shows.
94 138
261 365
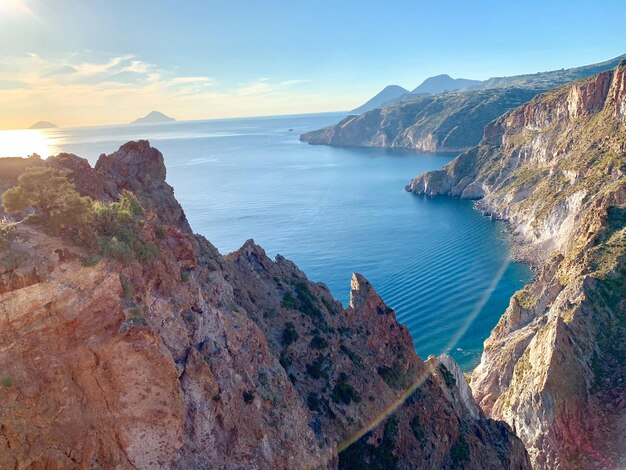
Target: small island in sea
153 116
43 125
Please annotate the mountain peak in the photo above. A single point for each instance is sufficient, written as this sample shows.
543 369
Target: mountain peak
390 92
444 82
153 116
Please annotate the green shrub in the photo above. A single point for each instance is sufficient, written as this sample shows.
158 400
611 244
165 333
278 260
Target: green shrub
418 430
318 343
304 301
89 261
460 452
7 229
248 397
120 227
343 392
136 318
393 376
118 250
57 205
128 293
6 381
448 377
313 402
354 357
289 301
317 368
290 334
285 361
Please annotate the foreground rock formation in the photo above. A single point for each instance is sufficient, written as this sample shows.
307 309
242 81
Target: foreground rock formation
197 360
554 367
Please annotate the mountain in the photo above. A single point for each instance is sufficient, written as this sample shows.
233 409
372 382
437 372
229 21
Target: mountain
423 122
388 93
442 83
43 125
153 116
554 366
445 122
144 347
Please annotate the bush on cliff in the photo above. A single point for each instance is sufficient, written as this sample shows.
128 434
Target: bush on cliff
56 203
6 230
120 226
116 230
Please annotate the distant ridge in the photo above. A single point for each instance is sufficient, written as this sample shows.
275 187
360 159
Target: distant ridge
388 93
43 125
446 122
153 116
441 83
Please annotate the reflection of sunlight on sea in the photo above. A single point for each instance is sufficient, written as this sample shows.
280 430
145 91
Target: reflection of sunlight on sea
22 143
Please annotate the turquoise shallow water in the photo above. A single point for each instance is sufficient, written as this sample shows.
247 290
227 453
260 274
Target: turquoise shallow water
333 211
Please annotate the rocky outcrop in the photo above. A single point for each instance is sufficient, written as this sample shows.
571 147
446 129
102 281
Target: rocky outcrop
553 366
197 360
446 122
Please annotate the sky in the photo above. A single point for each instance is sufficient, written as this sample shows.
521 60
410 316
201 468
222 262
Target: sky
95 62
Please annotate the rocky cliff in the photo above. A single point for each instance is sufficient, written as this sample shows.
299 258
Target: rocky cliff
190 359
434 123
554 366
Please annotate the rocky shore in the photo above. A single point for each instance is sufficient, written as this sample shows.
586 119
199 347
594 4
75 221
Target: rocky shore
553 368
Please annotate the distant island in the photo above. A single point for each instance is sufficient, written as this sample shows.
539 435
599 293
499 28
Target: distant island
154 116
43 125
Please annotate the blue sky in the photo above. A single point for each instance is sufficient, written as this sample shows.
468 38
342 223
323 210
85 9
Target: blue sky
80 62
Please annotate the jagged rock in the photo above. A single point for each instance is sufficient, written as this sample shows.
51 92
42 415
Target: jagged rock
467 399
139 168
197 360
553 366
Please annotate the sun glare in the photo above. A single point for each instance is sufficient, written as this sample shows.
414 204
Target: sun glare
14 6
23 143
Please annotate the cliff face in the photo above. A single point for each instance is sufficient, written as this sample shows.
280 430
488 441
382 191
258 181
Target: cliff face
554 367
440 123
198 360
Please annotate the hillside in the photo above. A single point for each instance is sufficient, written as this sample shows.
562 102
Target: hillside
553 367
130 342
433 123
446 122
553 78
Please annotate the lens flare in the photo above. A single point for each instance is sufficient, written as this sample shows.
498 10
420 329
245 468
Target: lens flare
8 7
428 369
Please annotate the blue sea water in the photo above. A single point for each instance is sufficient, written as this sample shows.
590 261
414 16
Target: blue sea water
333 211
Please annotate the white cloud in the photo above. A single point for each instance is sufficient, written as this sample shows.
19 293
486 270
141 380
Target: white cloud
264 87
73 91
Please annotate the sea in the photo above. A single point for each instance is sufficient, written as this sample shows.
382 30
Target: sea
443 266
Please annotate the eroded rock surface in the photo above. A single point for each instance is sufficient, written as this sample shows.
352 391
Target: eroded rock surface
198 360
553 367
